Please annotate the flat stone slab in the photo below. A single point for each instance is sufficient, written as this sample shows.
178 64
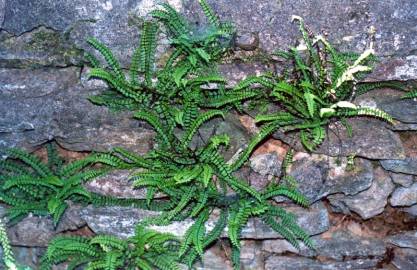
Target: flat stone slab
40 105
370 139
404 240
121 221
406 166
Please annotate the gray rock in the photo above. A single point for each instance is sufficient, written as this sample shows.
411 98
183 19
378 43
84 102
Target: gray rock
117 184
247 41
404 240
407 165
404 180
115 23
339 245
36 231
51 104
2 10
389 100
370 202
266 164
121 221
381 143
296 263
213 259
25 256
412 210
40 47
403 196
345 22
405 259
318 176
251 256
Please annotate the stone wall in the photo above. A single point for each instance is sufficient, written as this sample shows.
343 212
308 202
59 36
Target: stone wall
363 216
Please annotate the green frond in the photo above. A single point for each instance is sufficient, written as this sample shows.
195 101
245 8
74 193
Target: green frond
108 56
411 94
195 125
153 120
208 11
31 160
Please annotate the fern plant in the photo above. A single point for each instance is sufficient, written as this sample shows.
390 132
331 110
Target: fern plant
318 87
146 250
30 186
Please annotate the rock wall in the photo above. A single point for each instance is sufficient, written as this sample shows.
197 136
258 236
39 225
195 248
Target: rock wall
363 216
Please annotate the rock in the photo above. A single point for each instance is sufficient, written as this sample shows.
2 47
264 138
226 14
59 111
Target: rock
405 259
25 256
251 256
115 23
404 240
381 143
346 24
38 48
117 184
296 263
407 165
389 100
318 176
36 231
121 221
247 41
370 202
339 246
404 180
412 210
51 104
266 164
235 72
403 196
214 259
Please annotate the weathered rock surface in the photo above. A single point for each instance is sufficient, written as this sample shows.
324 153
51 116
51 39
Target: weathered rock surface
338 246
296 263
405 259
407 165
381 143
25 256
345 22
121 221
404 180
318 176
403 196
404 240
368 203
36 231
389 100
38 48
51 104
266 164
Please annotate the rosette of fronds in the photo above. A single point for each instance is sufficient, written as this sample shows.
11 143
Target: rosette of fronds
318 87
29 185
146 250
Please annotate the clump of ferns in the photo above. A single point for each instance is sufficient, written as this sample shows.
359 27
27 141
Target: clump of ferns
28 185
146 250
318 88
193 56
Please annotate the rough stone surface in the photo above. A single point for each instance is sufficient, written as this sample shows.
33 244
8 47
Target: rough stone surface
27 256
296 263
404 240
117 184
121 221
370 202
35 231
318 176
266 164
403 196
404 180
407 165
53 105
345 22
338 246
251 255
389 100
40 47
381 143
405 259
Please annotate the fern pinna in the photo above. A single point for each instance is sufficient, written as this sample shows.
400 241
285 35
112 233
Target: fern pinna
319 86
146 250
30 186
